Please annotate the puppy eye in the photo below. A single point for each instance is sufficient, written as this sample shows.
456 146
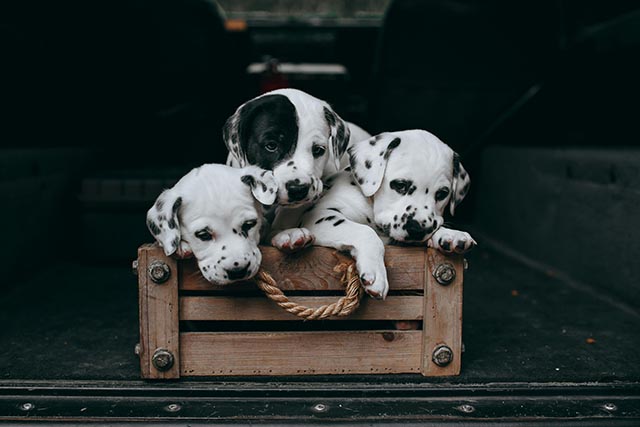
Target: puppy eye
271 146
318 151
442 194
204 235
400 185
248 225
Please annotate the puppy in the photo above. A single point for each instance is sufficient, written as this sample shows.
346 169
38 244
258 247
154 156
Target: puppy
301 139
400 184
215 213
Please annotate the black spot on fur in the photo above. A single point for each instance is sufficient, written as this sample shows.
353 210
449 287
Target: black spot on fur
320 220
334 209
234 231
249 180
348 169
392 145
352 183
456 164
264 186
176 205
172 223
223 247
367 164
330 117
159 204
290 163
408 207
223 258
340 221
368 220
330 217
373 141
262 174
153 227
360 181
175 242
426 192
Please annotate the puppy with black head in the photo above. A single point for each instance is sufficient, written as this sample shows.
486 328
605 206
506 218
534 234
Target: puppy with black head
215 213
298 137
397 190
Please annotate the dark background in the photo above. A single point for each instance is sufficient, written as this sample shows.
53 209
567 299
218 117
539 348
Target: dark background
103 104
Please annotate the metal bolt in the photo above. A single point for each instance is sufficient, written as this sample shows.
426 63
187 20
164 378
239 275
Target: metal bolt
467 409
159 272
134 267
442 355
444 273
173 407
611 407
320 407
162 359
137 349
27 406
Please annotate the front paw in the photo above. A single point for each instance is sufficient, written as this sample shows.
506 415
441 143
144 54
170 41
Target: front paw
374 278
452 241
292 239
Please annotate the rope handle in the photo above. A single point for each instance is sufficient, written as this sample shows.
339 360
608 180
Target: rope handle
343 307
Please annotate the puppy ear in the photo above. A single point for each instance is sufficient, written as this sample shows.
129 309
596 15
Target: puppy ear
339 135
368 160
262 183
231 136
459 185
163 222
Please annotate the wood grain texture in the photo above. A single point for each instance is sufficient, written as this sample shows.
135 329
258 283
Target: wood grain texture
442 315
260 308
159 317
313 269
300 353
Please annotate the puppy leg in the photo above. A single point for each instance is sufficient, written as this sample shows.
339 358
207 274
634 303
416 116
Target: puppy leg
449 241
292 239
333 230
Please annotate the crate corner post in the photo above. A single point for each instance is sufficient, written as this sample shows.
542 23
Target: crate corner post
442 329
159 347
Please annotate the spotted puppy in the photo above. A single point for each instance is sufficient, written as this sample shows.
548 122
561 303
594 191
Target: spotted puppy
301 139
215 214
398 189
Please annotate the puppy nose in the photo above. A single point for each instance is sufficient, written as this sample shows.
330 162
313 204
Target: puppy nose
297 191
237 272
414 230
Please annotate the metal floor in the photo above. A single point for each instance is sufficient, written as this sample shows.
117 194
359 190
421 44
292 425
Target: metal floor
70 332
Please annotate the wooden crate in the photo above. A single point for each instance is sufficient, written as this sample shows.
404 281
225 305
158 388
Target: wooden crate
189 327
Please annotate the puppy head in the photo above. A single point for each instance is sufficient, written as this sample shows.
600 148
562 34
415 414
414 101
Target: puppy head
412 177
215 213
291 133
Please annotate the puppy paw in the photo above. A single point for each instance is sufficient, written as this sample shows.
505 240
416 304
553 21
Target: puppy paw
292 239
184 251
450 241
374 278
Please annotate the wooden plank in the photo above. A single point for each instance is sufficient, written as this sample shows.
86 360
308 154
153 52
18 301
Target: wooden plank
159 317
261 308
300 353
313 269
443 315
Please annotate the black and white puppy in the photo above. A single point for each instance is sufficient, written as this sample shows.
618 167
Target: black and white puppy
215 213
298 137
398 188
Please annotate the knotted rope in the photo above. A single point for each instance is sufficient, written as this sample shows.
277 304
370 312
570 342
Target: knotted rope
343 307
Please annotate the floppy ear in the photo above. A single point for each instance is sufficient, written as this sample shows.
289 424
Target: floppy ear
231 136
459 185
163 223
339 135
368 160
262 183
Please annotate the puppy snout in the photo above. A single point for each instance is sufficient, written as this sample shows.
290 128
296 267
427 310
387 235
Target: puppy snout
415 231
296 190
237 273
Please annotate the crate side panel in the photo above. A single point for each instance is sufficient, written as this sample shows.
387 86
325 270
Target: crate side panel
300 353
232 308
313 269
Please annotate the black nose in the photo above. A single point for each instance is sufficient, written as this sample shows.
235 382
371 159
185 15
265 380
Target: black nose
296 191
237 272
414 230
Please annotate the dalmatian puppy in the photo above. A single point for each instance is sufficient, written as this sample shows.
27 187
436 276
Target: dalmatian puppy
215 213
397 190
298 137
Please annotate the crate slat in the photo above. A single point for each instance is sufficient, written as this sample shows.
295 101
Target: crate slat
443 316
159 317
300 353
239 308
312 269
